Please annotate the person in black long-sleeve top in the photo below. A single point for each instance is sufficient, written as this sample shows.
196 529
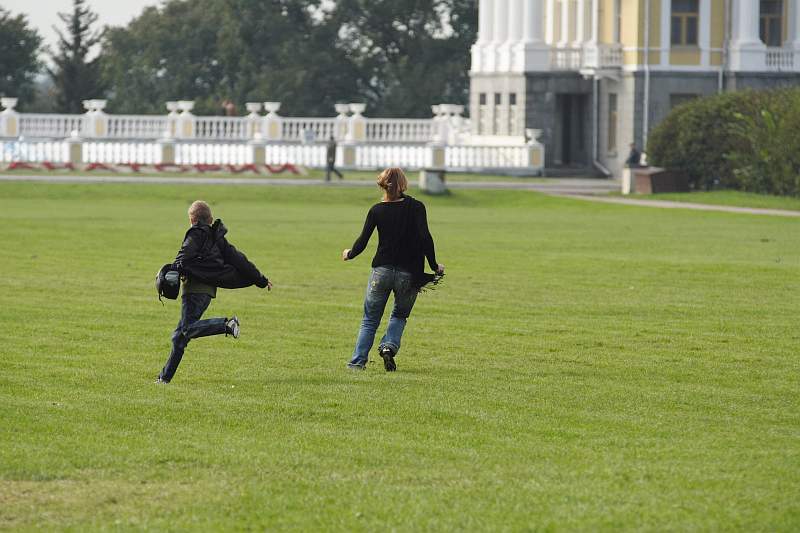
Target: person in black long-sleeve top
404 243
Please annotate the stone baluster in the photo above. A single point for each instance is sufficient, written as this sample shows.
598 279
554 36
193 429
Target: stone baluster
253 120
95 122
186 127
272 129
341 121
9 118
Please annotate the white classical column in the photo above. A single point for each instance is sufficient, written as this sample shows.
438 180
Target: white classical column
580 23
594 31
479 47
487 10
747 51
534 53
563 42
704 37
550 29
510 48
666 43
500 34
591 49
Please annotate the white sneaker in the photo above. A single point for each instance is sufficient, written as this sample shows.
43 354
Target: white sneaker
232 327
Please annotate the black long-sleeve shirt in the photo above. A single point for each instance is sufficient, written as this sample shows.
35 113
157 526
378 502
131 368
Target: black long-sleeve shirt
403 236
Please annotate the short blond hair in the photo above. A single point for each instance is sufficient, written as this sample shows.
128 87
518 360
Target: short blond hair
199 211
393 181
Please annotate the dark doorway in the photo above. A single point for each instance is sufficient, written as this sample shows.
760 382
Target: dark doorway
571 116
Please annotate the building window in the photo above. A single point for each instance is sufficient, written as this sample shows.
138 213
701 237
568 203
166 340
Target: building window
482 126
513 114
617 21
498 98
612 123
771 22
680 98
685 15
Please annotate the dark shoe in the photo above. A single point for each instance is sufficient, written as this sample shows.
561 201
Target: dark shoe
355 366
232 327
388 359
160 381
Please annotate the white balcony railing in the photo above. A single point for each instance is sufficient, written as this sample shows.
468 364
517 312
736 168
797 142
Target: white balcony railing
598 56
566 58
780 59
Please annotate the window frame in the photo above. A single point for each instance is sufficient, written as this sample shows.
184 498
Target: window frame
683 18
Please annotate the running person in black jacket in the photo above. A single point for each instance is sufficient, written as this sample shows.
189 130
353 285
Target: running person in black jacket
404 242
206 261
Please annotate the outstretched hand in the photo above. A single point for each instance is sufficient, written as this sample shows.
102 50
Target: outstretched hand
345 254
440 270
269 285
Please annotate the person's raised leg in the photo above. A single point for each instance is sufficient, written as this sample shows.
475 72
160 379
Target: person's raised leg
192 308
405 294
378 289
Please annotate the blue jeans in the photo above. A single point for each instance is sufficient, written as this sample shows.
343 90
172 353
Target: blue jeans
190 327
382 282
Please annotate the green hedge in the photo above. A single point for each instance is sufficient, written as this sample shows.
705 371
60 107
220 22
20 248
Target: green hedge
748 140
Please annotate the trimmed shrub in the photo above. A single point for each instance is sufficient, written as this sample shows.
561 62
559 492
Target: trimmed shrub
740 140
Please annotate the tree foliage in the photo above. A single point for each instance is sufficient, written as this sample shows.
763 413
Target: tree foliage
75 76
743 140
19 50
398 56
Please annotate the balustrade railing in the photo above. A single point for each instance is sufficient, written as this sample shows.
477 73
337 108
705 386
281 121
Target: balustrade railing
400 130
137 126
296 128
780 59
365 156
566 58
41 125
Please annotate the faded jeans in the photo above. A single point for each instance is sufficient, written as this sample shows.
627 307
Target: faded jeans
190 327
382 281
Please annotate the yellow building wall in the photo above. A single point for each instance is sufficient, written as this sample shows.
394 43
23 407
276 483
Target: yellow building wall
655 32
631 26
717 30
606 22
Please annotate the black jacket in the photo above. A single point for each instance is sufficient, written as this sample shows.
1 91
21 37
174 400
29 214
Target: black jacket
207 256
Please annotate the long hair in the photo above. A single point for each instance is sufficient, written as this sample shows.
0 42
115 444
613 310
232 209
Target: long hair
394 182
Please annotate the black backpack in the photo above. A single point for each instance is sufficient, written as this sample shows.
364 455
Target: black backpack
168 282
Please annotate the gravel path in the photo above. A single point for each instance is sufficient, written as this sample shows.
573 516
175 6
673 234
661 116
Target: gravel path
664 204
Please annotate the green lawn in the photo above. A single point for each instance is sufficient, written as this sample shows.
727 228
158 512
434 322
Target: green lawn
352 175
584 367
732 198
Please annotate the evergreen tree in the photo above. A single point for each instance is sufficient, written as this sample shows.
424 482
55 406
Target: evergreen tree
75 76
19 56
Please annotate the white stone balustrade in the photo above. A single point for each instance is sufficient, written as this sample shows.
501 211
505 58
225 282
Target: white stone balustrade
524 159
9 118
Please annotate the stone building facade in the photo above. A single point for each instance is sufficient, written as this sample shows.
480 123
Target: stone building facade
595 76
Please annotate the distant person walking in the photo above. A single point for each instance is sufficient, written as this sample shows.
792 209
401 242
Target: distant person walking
404 242
331 160
206 261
